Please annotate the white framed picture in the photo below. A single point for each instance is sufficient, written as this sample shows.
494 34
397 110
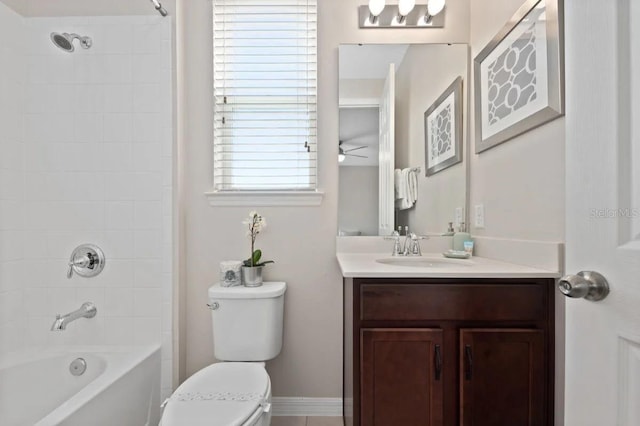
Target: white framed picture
519 75
443 130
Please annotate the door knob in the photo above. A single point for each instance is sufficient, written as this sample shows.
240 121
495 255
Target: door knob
588 284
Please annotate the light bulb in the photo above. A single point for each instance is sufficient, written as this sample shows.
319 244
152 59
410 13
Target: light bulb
376 7
405 6
341 158
435 6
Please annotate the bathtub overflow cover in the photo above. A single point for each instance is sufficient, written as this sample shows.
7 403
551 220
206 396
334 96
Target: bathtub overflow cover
78 366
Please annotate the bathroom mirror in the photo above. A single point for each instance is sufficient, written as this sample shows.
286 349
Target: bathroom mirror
384 92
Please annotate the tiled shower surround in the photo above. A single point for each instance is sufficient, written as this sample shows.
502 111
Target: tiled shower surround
97 147
12 79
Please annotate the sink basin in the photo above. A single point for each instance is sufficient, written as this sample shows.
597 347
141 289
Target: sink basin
425 262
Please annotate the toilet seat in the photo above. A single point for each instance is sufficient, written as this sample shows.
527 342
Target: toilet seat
222 394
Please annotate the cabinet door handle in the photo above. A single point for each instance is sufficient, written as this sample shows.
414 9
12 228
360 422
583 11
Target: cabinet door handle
468 369
437 359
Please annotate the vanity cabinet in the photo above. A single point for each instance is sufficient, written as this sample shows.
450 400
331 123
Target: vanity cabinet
436 351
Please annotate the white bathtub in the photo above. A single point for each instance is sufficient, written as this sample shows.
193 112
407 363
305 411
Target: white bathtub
121 386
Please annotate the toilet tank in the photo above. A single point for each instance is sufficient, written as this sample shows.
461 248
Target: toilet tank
247 321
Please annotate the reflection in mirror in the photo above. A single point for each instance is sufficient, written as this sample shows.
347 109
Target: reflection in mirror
384 92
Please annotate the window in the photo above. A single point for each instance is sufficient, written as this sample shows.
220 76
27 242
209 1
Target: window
265 95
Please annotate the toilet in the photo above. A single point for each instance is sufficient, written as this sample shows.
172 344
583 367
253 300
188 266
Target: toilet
247 330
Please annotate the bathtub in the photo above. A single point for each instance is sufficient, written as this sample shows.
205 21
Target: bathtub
121 386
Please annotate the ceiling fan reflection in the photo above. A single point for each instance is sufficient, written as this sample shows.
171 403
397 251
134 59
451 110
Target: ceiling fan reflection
343 153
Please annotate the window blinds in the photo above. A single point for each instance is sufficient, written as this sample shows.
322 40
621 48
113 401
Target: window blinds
265 124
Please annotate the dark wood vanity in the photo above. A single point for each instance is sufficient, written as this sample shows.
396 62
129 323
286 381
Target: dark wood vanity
449 351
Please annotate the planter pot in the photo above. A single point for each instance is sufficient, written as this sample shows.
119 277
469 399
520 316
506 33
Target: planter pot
252 276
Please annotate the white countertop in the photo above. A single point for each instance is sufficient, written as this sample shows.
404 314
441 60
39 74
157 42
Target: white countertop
365 265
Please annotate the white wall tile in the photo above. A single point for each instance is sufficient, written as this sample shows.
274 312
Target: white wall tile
12 185
147 127
147 98
11 274
147 302
62 300
148 215
117 157
147 186
118 98
118 127
118 302
147 244
119 215
89 98
147 157
147 273
146 331
37 298
11 155
118 331
118 69
90 294
118 39
147 69
84 143
147 39
119 186
13 74
11 245
116 273
119 244
88 127
65 186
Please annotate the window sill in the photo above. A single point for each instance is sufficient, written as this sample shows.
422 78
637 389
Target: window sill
264 198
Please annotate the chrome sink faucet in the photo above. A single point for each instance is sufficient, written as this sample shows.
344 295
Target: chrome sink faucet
397 247
411 246
87 310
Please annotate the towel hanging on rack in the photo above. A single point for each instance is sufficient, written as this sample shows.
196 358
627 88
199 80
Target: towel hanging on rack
406 188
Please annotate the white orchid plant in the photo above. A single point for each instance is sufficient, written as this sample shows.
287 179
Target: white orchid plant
256 224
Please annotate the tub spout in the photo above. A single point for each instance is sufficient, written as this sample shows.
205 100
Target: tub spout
87 310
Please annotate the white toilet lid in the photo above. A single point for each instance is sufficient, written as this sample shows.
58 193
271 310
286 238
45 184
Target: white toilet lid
222 394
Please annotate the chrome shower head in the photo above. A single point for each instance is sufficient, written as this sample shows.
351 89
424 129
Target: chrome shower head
65 41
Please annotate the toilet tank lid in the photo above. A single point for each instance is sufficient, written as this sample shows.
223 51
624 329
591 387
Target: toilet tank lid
266 291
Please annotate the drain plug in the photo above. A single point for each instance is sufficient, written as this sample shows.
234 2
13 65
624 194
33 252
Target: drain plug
78 366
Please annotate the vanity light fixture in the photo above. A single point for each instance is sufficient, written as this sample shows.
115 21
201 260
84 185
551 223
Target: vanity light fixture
341 157
434 7
375 9
404 8
404 14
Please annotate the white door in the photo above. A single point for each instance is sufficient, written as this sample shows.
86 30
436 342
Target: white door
602 39
386 155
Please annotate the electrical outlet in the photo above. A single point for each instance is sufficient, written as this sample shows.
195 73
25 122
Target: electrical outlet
479 216
459 216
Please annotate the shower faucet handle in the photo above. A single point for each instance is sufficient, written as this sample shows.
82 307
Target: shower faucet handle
87 260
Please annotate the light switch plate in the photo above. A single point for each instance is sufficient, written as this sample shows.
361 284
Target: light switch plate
479 216
459 216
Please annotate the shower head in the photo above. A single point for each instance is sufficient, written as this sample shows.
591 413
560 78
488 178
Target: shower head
65 41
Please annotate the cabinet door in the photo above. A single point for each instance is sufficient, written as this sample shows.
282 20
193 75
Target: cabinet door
502 377
401 377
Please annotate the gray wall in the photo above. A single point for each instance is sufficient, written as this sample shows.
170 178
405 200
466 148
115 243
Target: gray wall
521 182
310 364
358 199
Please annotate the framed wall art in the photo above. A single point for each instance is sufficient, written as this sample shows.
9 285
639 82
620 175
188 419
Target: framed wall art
519 75
443 130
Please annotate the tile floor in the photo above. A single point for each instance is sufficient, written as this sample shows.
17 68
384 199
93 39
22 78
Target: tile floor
306 421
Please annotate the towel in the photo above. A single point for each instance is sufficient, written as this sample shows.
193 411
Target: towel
406 188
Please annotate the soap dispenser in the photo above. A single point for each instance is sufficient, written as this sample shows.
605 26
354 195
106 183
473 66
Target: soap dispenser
450 231
460 237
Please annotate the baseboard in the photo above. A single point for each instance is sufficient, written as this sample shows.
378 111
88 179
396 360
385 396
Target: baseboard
293 406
